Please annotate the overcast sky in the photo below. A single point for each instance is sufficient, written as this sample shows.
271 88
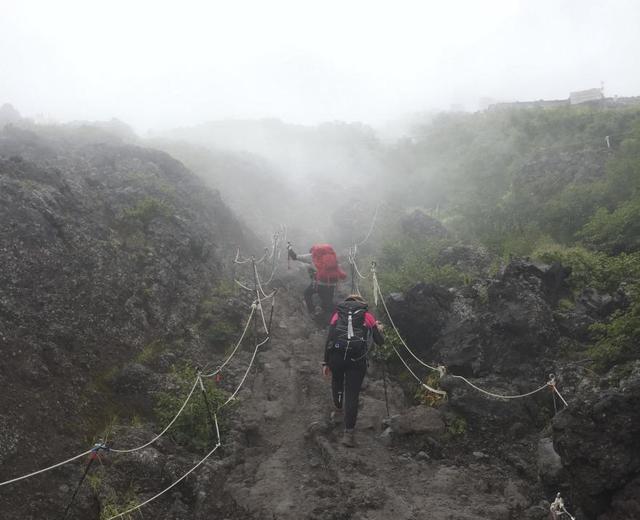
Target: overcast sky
158 64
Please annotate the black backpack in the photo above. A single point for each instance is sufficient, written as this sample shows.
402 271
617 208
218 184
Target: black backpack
350 329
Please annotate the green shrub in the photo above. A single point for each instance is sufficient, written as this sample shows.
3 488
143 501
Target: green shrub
146 211
592 268
457 426
192 428
616 230
426 397
618 340
405 262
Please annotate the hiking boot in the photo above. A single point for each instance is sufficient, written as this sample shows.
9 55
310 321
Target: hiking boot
337 416
348 438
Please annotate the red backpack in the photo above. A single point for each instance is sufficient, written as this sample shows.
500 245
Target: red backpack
326 263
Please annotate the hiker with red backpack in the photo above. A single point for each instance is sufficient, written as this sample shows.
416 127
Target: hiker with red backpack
325 275
352 329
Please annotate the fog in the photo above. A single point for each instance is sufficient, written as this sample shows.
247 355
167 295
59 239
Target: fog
159 64
291 108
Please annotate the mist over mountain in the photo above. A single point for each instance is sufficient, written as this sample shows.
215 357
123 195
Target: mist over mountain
462 342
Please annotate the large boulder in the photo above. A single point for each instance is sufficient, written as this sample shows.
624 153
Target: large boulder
418 419
419 225
591 306
421 313
598 438
549 462
466 258
510 324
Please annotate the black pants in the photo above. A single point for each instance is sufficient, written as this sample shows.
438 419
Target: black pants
346 379
325 292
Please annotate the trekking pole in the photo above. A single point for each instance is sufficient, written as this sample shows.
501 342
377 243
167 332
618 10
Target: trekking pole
288 257
92 457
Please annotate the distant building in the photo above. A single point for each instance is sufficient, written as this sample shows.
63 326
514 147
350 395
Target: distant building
586 96
541 103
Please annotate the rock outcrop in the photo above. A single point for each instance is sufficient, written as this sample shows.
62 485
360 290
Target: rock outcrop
109 254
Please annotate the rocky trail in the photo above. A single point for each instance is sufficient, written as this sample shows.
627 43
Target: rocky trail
290 464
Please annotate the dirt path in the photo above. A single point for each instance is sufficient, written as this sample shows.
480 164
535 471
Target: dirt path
293 467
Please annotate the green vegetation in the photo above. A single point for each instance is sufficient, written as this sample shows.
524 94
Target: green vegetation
151 351
217 319
424 396
540 182
406 261
192 428
146 210
457 426
111 505
618 339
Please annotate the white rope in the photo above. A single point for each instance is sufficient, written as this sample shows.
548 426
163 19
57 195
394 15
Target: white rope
441 370
352 260
247 260
231 398
264 296
373 223
131 450
558 509
275 257
555 389
76 457
259 290
237 259
244 332
242 285
384 304
355 265
500 396
131 510
420 382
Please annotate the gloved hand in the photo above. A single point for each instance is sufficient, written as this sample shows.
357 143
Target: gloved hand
292 254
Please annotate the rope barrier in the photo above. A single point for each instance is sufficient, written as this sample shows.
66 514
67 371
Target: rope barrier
442 370
247 260
232 397
501 396
198 381
208 406
237 258
255 352
184 404
264 296
558 509
384 304
373 223
94 455
420 382
244 332
259 290
352 260
57 465
132 509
